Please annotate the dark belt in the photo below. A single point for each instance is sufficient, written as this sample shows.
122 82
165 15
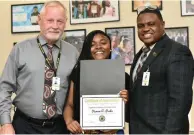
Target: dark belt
40 122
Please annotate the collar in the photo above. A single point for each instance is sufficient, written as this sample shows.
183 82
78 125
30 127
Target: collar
151 46
43 41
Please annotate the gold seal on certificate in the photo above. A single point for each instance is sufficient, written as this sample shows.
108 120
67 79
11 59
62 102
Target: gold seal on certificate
101 112
102 118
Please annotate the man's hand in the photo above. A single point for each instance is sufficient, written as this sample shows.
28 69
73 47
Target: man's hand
7 129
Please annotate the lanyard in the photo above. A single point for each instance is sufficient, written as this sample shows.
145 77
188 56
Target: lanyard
46 58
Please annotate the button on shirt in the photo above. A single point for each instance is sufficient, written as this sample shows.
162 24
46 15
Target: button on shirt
24 75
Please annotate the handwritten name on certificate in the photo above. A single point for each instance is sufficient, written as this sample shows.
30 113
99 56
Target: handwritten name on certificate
102 112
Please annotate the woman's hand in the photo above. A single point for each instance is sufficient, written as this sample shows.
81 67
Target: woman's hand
74 127
124 95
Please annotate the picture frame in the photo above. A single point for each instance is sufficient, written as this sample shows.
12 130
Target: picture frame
89 11
75 37
187 7
24 17
179 34
123 43
139 3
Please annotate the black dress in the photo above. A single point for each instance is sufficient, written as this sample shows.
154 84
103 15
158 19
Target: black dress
75 78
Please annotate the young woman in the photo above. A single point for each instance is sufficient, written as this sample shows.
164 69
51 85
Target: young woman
97 46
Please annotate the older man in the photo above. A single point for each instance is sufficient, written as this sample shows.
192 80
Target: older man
37 71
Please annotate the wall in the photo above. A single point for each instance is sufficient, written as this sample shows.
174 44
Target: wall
171 14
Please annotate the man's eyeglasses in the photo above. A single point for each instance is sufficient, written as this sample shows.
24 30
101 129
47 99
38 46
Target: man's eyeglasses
143 8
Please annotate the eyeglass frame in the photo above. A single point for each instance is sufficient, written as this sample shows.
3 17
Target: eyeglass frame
143 8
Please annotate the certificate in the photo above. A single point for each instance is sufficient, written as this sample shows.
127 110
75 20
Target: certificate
102 112
94 9
34 19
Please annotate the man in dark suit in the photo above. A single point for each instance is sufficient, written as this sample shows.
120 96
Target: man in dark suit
161 89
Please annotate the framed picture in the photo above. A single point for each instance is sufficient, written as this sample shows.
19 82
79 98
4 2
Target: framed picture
75 37
24 17
179 34
123 43
139 3
187 7
93 11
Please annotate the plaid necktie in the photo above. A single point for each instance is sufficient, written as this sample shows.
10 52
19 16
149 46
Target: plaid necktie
142 60
49 104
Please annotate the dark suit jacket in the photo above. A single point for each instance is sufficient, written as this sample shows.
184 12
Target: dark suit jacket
163 106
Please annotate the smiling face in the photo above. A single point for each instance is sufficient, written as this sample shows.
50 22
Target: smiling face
100 48
150 28
52 23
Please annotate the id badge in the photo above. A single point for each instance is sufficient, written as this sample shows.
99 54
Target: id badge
146 79
56 83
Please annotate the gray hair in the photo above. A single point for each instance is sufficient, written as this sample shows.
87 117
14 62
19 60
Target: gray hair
53 4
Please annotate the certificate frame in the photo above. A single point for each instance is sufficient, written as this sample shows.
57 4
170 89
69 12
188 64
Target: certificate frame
24 17
102 118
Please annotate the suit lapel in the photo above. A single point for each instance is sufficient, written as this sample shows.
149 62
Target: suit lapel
133 65
152 56
155 52
135 60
